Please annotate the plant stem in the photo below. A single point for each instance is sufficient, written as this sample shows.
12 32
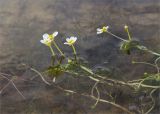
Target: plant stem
116 36
53 54
135 62
139 47
95 98
154 53
58 48
153 100
36 71
143 48
74 51
129 36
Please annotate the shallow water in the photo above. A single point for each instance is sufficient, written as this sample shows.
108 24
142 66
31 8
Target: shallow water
22 23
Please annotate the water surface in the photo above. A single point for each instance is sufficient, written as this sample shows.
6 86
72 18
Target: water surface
23 22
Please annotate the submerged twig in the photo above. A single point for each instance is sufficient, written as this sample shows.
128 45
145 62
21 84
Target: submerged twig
11 81
152 101
40 76
95 98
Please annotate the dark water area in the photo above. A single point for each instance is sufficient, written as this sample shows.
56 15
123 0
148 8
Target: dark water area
22 24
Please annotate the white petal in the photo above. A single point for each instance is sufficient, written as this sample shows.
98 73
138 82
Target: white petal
98 29
67 39
45 36
66 43
71 38
55 34
75 38
42 41
99 32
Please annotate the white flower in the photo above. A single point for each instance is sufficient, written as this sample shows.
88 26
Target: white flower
47 41
70 41
48 38
125 27
102 30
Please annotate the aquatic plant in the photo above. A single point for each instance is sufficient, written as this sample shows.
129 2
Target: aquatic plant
150 83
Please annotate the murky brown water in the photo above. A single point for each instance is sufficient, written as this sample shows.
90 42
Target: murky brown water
22 23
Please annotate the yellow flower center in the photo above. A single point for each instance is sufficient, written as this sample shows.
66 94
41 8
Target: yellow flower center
71 41
51 37
104 29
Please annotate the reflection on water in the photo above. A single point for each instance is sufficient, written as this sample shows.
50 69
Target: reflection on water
22 23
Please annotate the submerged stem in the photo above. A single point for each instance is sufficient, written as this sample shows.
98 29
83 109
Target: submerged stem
146 63
153 100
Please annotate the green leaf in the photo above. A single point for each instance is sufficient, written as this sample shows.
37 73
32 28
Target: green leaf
126 46
55 70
